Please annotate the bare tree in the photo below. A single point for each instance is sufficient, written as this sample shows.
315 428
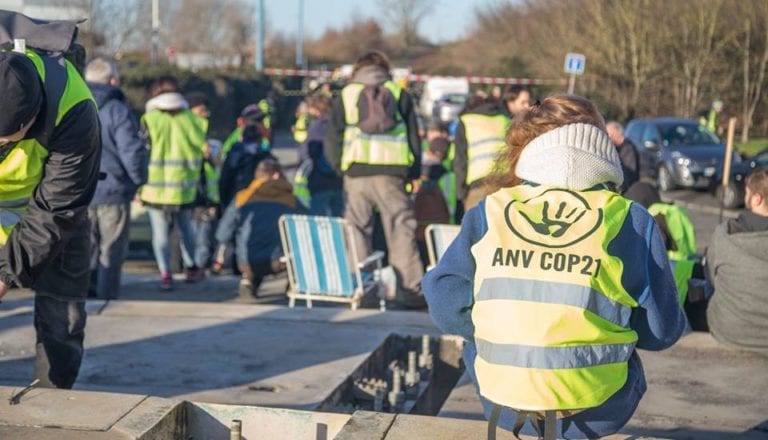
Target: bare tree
405 15
755 58
123 24
216 26
345 44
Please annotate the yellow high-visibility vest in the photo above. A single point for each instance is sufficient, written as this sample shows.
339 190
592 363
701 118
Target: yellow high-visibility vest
485 140
22 169
373 149
551 315
175 157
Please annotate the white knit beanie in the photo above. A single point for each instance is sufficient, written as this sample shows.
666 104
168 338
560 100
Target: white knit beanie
575 156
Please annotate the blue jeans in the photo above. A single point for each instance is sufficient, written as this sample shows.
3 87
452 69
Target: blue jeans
161 221
205 225
329 203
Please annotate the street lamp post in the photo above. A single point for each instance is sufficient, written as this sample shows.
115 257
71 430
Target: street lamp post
300 37
260 39
155 30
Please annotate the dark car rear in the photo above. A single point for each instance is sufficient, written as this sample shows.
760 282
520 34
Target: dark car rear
677 152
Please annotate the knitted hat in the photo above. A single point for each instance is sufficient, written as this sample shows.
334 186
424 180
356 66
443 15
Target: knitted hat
575 156
21 94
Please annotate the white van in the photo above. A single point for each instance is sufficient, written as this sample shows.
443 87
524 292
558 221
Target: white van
437 87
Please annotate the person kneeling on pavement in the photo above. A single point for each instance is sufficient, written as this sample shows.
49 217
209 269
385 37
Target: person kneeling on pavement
252 219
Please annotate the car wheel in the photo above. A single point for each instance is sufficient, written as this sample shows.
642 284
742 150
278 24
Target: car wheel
731 196
664 179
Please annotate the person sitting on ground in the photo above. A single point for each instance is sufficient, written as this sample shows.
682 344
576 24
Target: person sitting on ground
555 279
252 220
679 237
737 261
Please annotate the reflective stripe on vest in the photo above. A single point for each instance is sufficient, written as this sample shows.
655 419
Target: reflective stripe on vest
373 149
550 313
267 109
300 128
22 169
485 140
176 157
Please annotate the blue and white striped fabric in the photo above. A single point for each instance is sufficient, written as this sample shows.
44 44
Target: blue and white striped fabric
317 247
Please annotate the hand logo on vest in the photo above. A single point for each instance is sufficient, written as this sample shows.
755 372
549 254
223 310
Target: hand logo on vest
560 226
556 218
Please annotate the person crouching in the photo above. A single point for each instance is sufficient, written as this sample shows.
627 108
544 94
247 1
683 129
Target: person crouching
253 218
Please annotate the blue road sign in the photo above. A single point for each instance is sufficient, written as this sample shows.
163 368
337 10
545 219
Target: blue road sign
574 63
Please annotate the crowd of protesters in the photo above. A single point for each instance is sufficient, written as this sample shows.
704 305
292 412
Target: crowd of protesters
225 200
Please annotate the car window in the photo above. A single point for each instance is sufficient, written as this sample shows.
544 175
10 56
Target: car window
456 99
634 131
761 159
650 134
686 134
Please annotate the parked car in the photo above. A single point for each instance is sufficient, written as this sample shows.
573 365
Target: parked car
732 196
447 108
677 152
437 87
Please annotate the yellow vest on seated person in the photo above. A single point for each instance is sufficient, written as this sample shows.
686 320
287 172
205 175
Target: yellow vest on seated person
550 313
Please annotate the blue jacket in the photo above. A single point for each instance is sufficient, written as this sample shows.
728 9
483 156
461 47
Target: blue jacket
658 320
124 156
252 218
238 168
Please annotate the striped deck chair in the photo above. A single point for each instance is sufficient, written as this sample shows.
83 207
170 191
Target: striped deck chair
439 237
322 263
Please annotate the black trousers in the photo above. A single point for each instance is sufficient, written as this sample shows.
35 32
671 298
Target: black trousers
60 328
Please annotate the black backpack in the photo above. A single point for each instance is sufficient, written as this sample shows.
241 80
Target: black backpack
377 110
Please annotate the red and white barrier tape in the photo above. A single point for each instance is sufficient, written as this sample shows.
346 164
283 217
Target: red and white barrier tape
421 77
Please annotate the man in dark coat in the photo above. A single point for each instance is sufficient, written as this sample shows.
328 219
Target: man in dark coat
630 162
49 164
124 160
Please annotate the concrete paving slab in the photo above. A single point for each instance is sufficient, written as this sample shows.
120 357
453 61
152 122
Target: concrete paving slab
211 421
153 418
702 389
219 353
65 408
367 424
463 402
39 433
409 427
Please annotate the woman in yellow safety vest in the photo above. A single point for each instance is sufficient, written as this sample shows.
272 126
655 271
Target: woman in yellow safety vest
177 144
555 279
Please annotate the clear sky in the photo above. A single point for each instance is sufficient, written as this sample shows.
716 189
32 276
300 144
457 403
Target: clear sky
449 19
